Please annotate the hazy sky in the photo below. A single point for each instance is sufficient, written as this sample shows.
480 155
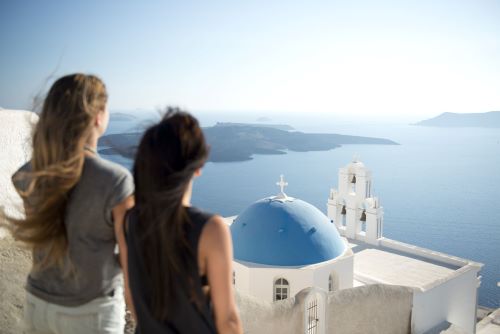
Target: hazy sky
393 59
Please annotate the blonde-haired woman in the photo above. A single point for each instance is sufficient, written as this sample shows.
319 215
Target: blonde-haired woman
75 203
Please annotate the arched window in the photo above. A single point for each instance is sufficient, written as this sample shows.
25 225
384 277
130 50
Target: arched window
333 282
281 289
234 278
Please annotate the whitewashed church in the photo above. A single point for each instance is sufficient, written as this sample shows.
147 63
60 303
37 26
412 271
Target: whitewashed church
286 248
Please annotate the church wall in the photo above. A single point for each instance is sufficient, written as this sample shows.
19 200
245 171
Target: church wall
262 316
374 309
426 253
259 281
343 268
343 181
262 280
242 277
454 301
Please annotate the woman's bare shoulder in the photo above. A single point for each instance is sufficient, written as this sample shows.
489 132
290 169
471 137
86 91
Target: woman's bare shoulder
216 230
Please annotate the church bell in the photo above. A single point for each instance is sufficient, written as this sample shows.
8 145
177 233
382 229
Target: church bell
363 216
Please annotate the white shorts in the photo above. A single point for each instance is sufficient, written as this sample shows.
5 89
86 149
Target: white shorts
101 315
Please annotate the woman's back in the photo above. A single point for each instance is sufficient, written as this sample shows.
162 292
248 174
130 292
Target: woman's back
187 316
90 233
172 244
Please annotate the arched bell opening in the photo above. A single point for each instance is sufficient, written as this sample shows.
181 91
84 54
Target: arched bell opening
353 183
343 216
362 221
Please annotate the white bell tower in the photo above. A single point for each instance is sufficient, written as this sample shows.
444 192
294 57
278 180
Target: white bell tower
352 208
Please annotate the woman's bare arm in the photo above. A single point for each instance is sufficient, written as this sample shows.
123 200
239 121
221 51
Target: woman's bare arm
119 212
217 252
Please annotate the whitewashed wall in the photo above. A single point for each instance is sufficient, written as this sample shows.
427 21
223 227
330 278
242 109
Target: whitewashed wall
258 281
15 149
342 266
262 280
374 309
259 316
454 301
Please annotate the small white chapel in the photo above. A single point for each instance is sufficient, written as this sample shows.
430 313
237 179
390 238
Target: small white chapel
287 249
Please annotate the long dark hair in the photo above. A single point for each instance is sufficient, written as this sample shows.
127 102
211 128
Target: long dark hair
167 157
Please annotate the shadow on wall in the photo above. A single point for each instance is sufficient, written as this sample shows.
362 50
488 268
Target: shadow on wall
374 309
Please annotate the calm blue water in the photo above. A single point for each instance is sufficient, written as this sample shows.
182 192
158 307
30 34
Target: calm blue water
440 188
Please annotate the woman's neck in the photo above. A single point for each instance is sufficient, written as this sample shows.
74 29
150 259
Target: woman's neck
186 199
92 141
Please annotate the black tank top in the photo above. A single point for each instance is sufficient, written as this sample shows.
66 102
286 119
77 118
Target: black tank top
187 317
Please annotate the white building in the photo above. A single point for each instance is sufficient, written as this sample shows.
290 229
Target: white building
290 243
283 245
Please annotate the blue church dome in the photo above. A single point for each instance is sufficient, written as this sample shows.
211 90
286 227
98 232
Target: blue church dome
287 232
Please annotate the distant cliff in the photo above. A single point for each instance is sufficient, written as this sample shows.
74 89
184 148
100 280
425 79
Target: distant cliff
484 120
240 142
121 117
285 127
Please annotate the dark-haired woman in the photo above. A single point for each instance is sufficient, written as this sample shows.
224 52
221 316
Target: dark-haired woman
179 257
75 206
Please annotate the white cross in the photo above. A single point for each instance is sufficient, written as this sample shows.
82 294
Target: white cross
282 184
355 158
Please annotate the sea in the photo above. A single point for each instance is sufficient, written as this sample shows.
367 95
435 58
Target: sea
440 187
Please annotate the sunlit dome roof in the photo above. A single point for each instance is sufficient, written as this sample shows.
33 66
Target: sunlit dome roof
283 231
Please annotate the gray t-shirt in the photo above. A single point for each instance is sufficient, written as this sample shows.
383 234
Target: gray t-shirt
91 238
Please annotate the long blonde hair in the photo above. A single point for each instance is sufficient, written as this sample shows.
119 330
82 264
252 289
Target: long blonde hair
65 124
